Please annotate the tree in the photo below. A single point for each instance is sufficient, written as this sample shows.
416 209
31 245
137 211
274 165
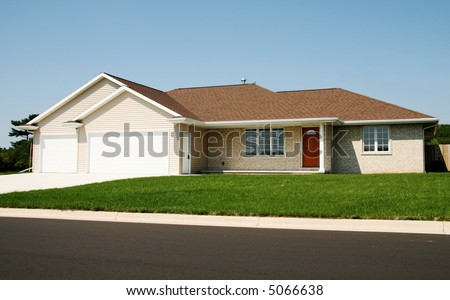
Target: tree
18 156
21 133
5 162
441 136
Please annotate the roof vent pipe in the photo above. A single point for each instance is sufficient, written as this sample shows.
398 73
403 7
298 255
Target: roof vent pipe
243 80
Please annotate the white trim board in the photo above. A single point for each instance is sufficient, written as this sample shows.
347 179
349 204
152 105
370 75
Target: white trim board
286 122
73 95
117 93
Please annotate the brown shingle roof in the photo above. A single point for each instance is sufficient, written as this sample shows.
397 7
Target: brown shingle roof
238 102
158 96
350 106
252 102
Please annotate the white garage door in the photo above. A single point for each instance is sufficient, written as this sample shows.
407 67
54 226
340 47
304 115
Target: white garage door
59 154
116 154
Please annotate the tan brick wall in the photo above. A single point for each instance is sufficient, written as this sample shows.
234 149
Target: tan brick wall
199 160
406 155
232 152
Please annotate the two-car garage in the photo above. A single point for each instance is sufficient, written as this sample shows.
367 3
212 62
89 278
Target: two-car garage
109 125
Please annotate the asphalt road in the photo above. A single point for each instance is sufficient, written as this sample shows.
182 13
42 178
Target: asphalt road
56 249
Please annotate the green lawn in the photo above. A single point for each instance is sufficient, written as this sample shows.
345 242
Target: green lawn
393 196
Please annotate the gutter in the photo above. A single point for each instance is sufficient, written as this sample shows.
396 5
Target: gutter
335 120
398 121
253 122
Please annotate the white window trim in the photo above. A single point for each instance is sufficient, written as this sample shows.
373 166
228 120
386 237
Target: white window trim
257 143
376 152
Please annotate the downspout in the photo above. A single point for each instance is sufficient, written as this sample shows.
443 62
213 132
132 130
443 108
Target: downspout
423 138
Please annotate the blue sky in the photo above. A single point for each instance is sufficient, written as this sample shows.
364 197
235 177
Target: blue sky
397 51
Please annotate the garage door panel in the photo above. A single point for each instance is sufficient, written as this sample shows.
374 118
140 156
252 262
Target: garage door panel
134 158
59 154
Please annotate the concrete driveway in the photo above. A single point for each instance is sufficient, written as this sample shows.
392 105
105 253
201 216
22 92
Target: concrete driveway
40 181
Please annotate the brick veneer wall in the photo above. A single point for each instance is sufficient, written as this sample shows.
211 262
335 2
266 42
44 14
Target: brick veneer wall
406 155
232 148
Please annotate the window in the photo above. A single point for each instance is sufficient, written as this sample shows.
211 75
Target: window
376 139
264 141
277 141
250 142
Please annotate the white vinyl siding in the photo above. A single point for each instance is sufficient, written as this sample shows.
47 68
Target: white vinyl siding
126 108
139 115
53 123
36 152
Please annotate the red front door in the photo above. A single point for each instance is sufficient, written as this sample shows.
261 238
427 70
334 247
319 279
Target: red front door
311 151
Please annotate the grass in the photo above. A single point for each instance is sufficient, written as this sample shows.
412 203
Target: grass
390 196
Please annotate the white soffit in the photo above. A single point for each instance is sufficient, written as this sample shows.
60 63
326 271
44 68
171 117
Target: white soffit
279 122
394 121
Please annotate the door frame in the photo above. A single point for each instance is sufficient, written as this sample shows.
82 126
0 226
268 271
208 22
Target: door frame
303 132
186 151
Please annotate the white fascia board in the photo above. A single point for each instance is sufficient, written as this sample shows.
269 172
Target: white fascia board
186 121
27 127
119 83
152 102
73 95
398 121
264 122
97 105
72 124
252 122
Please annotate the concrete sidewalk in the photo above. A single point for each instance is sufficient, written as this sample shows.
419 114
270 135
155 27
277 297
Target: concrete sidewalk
389 226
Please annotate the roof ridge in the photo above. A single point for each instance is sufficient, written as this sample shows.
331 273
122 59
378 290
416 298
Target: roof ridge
134 82
166 94
309 90
213 86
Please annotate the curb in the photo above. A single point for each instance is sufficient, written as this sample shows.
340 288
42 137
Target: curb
388 226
